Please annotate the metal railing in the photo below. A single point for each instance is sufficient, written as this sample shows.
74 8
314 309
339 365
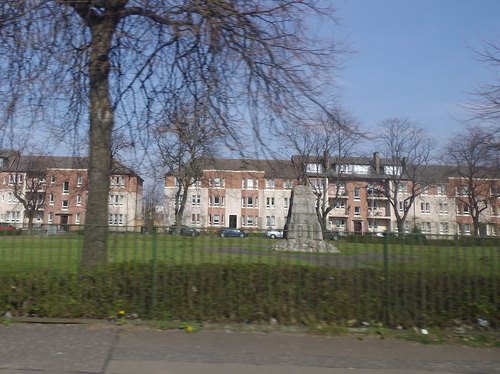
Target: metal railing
410 280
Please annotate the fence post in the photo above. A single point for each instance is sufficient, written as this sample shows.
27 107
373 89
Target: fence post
154 273
387 311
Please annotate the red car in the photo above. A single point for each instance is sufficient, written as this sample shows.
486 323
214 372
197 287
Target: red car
6 227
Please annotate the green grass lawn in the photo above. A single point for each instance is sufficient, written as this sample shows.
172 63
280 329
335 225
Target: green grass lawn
32 253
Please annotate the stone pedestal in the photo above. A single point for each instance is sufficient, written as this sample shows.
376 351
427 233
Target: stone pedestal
302 230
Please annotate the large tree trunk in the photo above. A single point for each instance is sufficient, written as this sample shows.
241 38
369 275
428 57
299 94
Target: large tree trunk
101 127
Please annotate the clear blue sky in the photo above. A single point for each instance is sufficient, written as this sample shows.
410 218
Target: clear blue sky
414 58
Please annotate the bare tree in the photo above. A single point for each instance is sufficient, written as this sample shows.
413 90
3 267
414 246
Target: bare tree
486 103
184 143
477 170
409 149
333 138
120 61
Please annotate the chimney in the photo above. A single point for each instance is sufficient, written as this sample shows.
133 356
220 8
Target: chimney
376 162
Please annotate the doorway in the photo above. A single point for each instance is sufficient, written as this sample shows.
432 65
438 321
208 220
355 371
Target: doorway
358 226
233 221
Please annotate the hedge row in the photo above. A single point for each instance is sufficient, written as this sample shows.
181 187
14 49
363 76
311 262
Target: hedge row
253 293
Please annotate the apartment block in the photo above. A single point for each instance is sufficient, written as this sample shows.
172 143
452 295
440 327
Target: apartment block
256 194
55 191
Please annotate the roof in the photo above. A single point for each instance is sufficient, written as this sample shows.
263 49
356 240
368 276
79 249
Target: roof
19 163
271 168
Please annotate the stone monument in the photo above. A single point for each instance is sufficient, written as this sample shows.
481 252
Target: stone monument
302 229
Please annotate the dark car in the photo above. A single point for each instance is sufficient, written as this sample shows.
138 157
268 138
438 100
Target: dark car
230 232
6 227
184 230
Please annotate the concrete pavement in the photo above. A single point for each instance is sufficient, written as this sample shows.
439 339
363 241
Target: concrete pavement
103 348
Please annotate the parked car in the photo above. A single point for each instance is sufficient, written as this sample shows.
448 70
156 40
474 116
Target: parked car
6 227
333 235
184 230
231 232
273 234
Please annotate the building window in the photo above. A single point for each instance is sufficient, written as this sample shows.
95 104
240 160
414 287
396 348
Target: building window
249 183
216 201
314 168
217 182
461 190
357 195
216 219
466 209
403 188
269 202
65 205
50 218
11 199
425 208
117 181
195 219
441 189
270 221
51 199
357 211
79 181
425 191
78 200
443 208
338 223
286 202
425 227
77 218
196 200
65 188
249 201
248 220
444 227
270 184
52 180
116 219
287 184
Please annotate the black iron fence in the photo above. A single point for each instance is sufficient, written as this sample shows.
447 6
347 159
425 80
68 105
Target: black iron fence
410 280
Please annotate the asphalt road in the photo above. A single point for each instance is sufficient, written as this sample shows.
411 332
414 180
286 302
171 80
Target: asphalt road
109 349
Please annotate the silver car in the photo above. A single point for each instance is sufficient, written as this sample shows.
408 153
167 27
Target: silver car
274 234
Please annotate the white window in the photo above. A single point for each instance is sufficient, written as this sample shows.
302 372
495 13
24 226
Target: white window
248 220
269 202
444 227
441 189
443 208
216 219
357 210
403 188
314 168
466 229
466 209
425 227
50 218
11 199
65 187
249 183
249 201
270 221
117 181
425 208
78 200
339 223
65 205
461 190
393 170
79 181
52 180
195 182
270 184
217 182
77 218
195 219
196 200
216 201
51 199
286 202
15 179
340 204
287 184
357 195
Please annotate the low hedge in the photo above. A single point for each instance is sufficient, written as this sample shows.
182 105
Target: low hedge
253 293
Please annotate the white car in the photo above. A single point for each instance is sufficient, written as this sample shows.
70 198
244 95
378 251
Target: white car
273 234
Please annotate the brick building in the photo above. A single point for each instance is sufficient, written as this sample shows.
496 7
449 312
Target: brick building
57 187
255 195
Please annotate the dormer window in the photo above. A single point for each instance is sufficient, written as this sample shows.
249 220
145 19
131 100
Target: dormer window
314 168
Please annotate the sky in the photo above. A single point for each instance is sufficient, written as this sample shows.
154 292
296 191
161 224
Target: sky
414 59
